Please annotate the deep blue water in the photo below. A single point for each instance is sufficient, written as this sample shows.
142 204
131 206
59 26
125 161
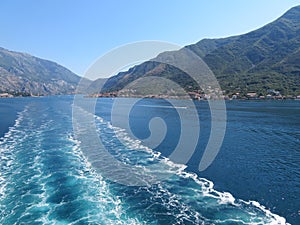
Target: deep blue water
46 177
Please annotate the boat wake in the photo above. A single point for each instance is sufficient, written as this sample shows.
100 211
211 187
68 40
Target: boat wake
45 178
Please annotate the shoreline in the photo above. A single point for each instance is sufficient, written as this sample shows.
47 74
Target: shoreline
225 98
200 99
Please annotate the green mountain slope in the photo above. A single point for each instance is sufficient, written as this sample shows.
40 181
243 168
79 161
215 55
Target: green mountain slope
267 58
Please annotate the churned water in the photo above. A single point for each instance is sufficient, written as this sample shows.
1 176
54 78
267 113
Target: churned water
45 177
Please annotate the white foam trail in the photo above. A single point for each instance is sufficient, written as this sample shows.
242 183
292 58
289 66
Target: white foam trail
206 185
6 148
277 219
103 199
227 198
105 195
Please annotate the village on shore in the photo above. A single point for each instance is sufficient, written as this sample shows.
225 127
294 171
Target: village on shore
198 95
19 94
194 95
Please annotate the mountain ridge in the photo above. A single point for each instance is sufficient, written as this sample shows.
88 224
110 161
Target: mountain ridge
265 59
26 74
258 61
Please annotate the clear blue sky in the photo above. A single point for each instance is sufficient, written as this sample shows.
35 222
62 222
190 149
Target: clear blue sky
75 33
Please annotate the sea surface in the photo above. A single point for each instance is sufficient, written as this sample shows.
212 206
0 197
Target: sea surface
46 177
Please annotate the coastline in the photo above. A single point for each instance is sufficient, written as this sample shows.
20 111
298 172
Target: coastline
191 97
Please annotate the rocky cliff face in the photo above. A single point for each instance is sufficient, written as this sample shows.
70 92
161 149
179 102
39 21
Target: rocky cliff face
20 72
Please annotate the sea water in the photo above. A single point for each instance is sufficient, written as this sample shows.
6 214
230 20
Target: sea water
45 177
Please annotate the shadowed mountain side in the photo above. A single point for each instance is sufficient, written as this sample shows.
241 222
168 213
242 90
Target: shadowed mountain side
23 73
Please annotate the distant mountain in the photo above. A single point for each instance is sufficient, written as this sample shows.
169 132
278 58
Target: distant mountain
267 58
95 86
23 73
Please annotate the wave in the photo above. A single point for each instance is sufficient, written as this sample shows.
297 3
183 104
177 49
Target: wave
49 182
104 194
6 147
201 189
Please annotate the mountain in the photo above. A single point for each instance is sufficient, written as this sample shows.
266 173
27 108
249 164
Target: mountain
23 73
95 86
264 59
